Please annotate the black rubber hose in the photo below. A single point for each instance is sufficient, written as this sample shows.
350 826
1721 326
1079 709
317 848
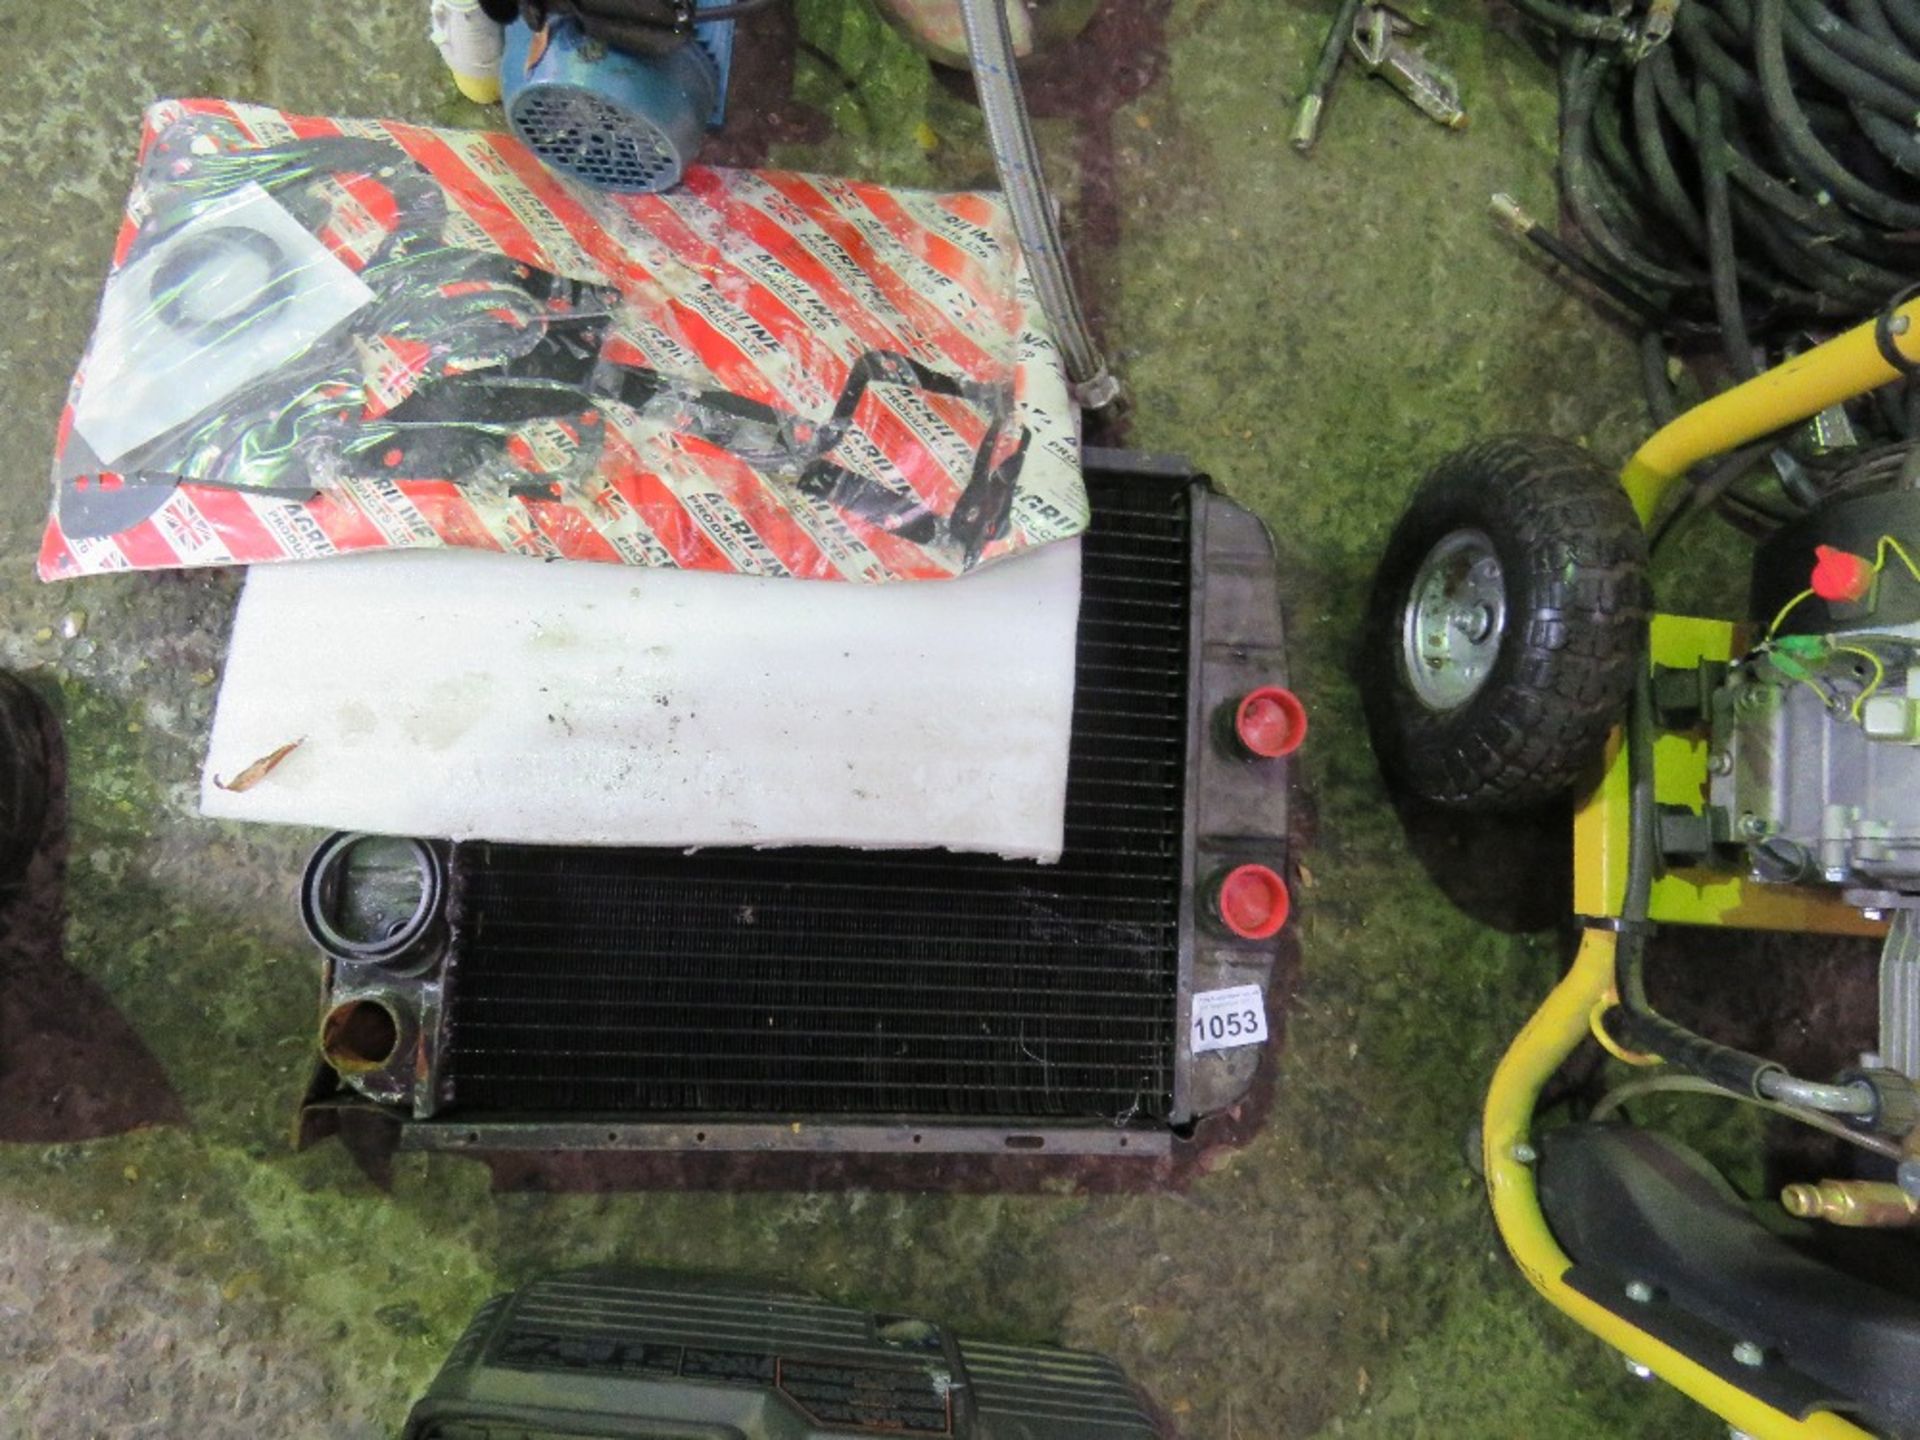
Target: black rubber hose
1856 84
1903 17
1662 403
1621 192
1872 20
1727 34
1832 124
1776 90
1817 258
1816 266
1645 311
1607 130
1634 1024
1721 266
1808 262
1669 191
1656 80
1693 27
1791 204
1826 221
1585 190
1619 160
1333 49
1840 285
1580 24
1706 492
1900 145
1870 53
1804 268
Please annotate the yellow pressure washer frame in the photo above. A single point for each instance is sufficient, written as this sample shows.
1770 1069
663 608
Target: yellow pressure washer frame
1843 368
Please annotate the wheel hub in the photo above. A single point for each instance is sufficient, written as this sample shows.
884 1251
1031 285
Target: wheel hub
1455 619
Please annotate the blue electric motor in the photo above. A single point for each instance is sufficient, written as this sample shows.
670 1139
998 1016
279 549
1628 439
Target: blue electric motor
609 119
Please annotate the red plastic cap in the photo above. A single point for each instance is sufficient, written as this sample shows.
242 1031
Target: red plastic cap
1271 722
1254 902
1840 574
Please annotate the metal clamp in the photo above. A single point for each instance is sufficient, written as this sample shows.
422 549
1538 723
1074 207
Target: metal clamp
1888 325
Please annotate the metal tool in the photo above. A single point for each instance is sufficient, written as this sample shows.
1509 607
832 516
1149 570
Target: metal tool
1377 41
1374 35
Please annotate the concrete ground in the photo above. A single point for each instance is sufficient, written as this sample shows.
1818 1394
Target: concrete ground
1313 332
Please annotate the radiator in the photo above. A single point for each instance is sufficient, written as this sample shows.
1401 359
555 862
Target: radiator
519 996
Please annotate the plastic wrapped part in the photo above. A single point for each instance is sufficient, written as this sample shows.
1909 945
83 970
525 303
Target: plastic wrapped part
465 696
449 345
238 289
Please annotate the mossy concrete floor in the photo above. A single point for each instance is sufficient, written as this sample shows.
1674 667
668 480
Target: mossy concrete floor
1314 332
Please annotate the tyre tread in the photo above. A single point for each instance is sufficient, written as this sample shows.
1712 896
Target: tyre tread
1584 598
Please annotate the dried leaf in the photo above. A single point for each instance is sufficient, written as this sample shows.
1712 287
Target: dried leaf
260 769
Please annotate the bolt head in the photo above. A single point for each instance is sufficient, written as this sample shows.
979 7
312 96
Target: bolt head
1638 1371
1475 622
1749 1354
1525 1153
1720 763
1640 1292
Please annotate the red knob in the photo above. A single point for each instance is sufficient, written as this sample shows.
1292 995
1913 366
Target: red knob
1253 902
1270 722
1840 575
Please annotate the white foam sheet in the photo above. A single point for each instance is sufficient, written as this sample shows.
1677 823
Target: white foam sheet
474 696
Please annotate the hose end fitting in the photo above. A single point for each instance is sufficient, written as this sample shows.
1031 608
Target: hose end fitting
1098 391
1510 216
1306 123
1858 1204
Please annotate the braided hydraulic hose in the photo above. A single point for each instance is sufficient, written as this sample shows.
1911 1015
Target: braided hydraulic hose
1017 159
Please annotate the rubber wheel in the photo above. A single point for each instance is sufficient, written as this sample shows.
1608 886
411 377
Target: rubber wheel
1503 626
